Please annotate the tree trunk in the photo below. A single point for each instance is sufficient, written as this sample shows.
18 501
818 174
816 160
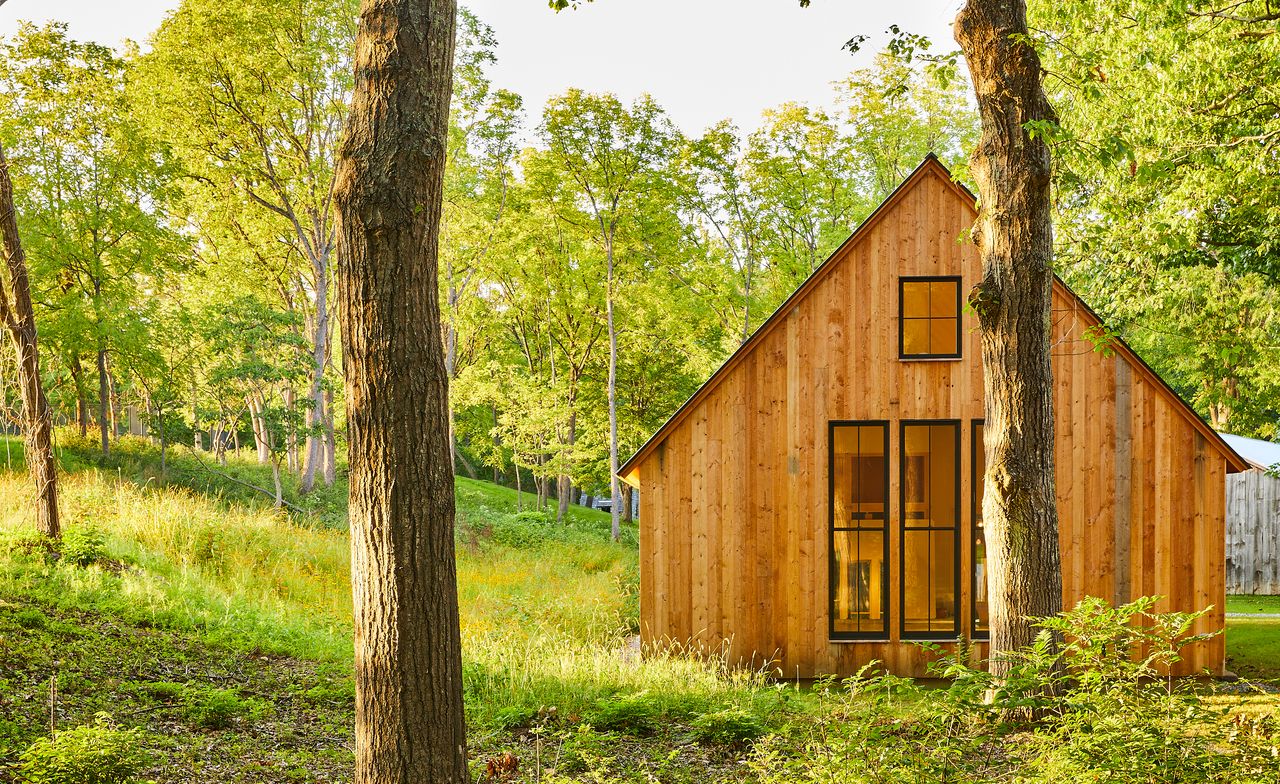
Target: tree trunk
18 317
291 438
82 398
1014 234
260 435
275 477
320 357
105 420
409 713
627 516
613 391
330 442
564 485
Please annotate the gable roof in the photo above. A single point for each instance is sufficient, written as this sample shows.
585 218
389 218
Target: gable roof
929 166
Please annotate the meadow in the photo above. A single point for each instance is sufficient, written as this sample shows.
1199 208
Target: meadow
212 633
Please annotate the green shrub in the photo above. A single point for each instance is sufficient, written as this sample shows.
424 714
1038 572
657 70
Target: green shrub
31 618
217 709
1087 701
729 726
583 749
535 517
98 753
83 546
163 691
634 714
338 690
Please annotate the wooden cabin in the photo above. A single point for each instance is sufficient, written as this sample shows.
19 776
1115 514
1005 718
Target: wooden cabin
816 504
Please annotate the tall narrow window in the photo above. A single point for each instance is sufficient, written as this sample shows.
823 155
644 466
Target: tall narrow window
929 323
859 545
930 482
981 616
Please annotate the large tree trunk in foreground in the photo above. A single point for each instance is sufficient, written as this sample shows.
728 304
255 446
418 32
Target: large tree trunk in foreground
1014 234
409 717
18 317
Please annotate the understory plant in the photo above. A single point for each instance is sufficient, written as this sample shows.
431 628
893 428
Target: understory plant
1096 679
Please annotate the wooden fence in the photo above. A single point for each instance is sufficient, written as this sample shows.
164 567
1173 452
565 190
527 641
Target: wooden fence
1253 533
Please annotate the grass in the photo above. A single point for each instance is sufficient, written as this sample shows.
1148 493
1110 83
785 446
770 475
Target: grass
1254 604
221 628
548 615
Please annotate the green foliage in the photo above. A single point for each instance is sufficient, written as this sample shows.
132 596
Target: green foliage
163 691
217 709
30 618
98 753
729 726
1101 709
633 714
83 546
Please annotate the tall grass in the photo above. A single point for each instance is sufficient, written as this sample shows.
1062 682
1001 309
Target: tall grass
548 610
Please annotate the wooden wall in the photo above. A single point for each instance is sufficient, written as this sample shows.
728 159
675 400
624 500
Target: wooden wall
1253 533
734 501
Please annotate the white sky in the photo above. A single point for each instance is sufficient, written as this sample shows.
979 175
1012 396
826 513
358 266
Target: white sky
703 60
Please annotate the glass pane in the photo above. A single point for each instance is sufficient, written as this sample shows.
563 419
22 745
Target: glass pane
859 473
942 336
980 608
942 298
981 618
930 535
944 449
915 336
929 595
915 299
929 475
857 582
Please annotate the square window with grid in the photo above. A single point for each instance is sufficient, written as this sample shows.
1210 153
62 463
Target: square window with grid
929 318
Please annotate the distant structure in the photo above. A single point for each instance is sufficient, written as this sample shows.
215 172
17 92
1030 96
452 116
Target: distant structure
1253 519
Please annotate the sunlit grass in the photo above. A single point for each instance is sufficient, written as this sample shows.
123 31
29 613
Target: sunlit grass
549 624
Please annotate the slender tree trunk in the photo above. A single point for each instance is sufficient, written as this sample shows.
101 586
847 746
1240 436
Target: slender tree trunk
451 359
410 726
19 318
82 397
275 477
291 439
164 441
330 442
613 391
519 490
564 487
1014 234
105 420
258 422
320 357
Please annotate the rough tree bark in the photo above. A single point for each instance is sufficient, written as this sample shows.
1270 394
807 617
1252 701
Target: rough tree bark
389 181
106 417
18 317
1014 234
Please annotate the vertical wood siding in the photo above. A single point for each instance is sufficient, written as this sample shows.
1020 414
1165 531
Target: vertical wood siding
1253 533
735 499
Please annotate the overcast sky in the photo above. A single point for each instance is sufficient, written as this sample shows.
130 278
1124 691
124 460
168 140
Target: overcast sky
703 60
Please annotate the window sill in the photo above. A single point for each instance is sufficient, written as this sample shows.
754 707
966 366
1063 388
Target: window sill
929 359
875 641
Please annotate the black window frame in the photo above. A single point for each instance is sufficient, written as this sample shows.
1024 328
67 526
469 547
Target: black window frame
975 509
883 633
902 281
903 634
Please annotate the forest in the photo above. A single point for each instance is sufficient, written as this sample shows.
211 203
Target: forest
177 204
